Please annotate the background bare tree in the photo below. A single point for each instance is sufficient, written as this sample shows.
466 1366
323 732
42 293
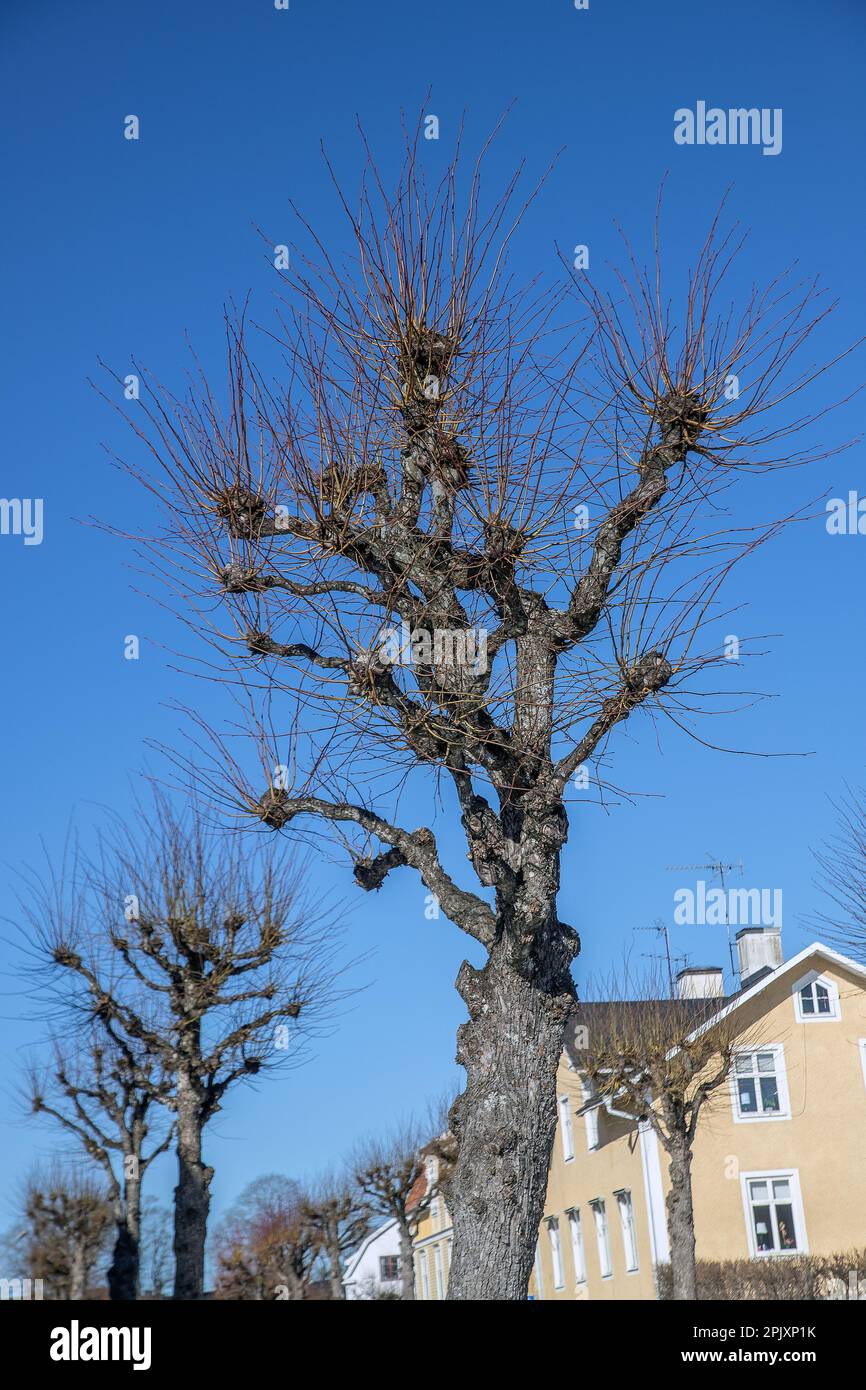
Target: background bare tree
392 530
104 1096
210 961
389 1173
660 1060
335 1212
842 878
267 1247
68 1218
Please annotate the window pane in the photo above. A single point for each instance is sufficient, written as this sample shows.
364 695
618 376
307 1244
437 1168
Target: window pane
766 1062
782 1190
577 1246
785 1221
769 1093
748 1100
823 999
807 1003
760 1191
744 1063
763 1228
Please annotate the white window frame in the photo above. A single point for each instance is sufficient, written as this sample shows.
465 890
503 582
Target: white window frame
440 1274
625 1206
425 1274
556 1260
792 1176
602 1236
781 1075
578 1254
566 1129
814 977
431 1172
590 1118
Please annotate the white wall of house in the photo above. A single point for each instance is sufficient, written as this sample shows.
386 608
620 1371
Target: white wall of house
364 1272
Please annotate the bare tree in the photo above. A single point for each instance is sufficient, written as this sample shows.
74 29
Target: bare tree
210 961
267 1247
335 1213
842 878
660 1060
104 1097
390 1175
68 1220
476 528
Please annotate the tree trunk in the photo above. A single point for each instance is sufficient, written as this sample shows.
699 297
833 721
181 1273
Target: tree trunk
123 1274
191 1197
77 1271
505 1120
335 1265
681 1223
407 1264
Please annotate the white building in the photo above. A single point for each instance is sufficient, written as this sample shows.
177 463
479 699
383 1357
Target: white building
374 1269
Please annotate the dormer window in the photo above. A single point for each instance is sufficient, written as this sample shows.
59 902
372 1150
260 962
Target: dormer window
816 999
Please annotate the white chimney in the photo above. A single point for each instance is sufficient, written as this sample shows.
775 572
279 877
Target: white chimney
759 949
700 982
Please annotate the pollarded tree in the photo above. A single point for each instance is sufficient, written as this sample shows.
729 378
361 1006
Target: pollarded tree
106 1096
474 529
68 1218
267 1247
209 960
389 1172
662 1060
337 1216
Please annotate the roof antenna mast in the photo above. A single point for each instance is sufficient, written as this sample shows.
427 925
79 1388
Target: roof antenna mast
716 866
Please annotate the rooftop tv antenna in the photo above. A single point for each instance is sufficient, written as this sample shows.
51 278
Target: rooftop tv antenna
717 866
660 928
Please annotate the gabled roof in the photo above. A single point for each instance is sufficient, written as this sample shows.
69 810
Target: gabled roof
705 1012
772 976
355 1259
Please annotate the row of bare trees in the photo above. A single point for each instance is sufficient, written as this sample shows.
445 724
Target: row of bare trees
647 1055
173 966
282 1240
64 1235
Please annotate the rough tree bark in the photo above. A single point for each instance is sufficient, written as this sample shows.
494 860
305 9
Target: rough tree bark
681 1222
407 1263
504 1122
124 1277
192 1193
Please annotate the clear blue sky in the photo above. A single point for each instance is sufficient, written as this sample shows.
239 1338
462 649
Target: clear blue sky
112 248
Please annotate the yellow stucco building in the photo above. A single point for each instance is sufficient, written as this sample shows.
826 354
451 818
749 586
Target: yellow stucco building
779 1154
